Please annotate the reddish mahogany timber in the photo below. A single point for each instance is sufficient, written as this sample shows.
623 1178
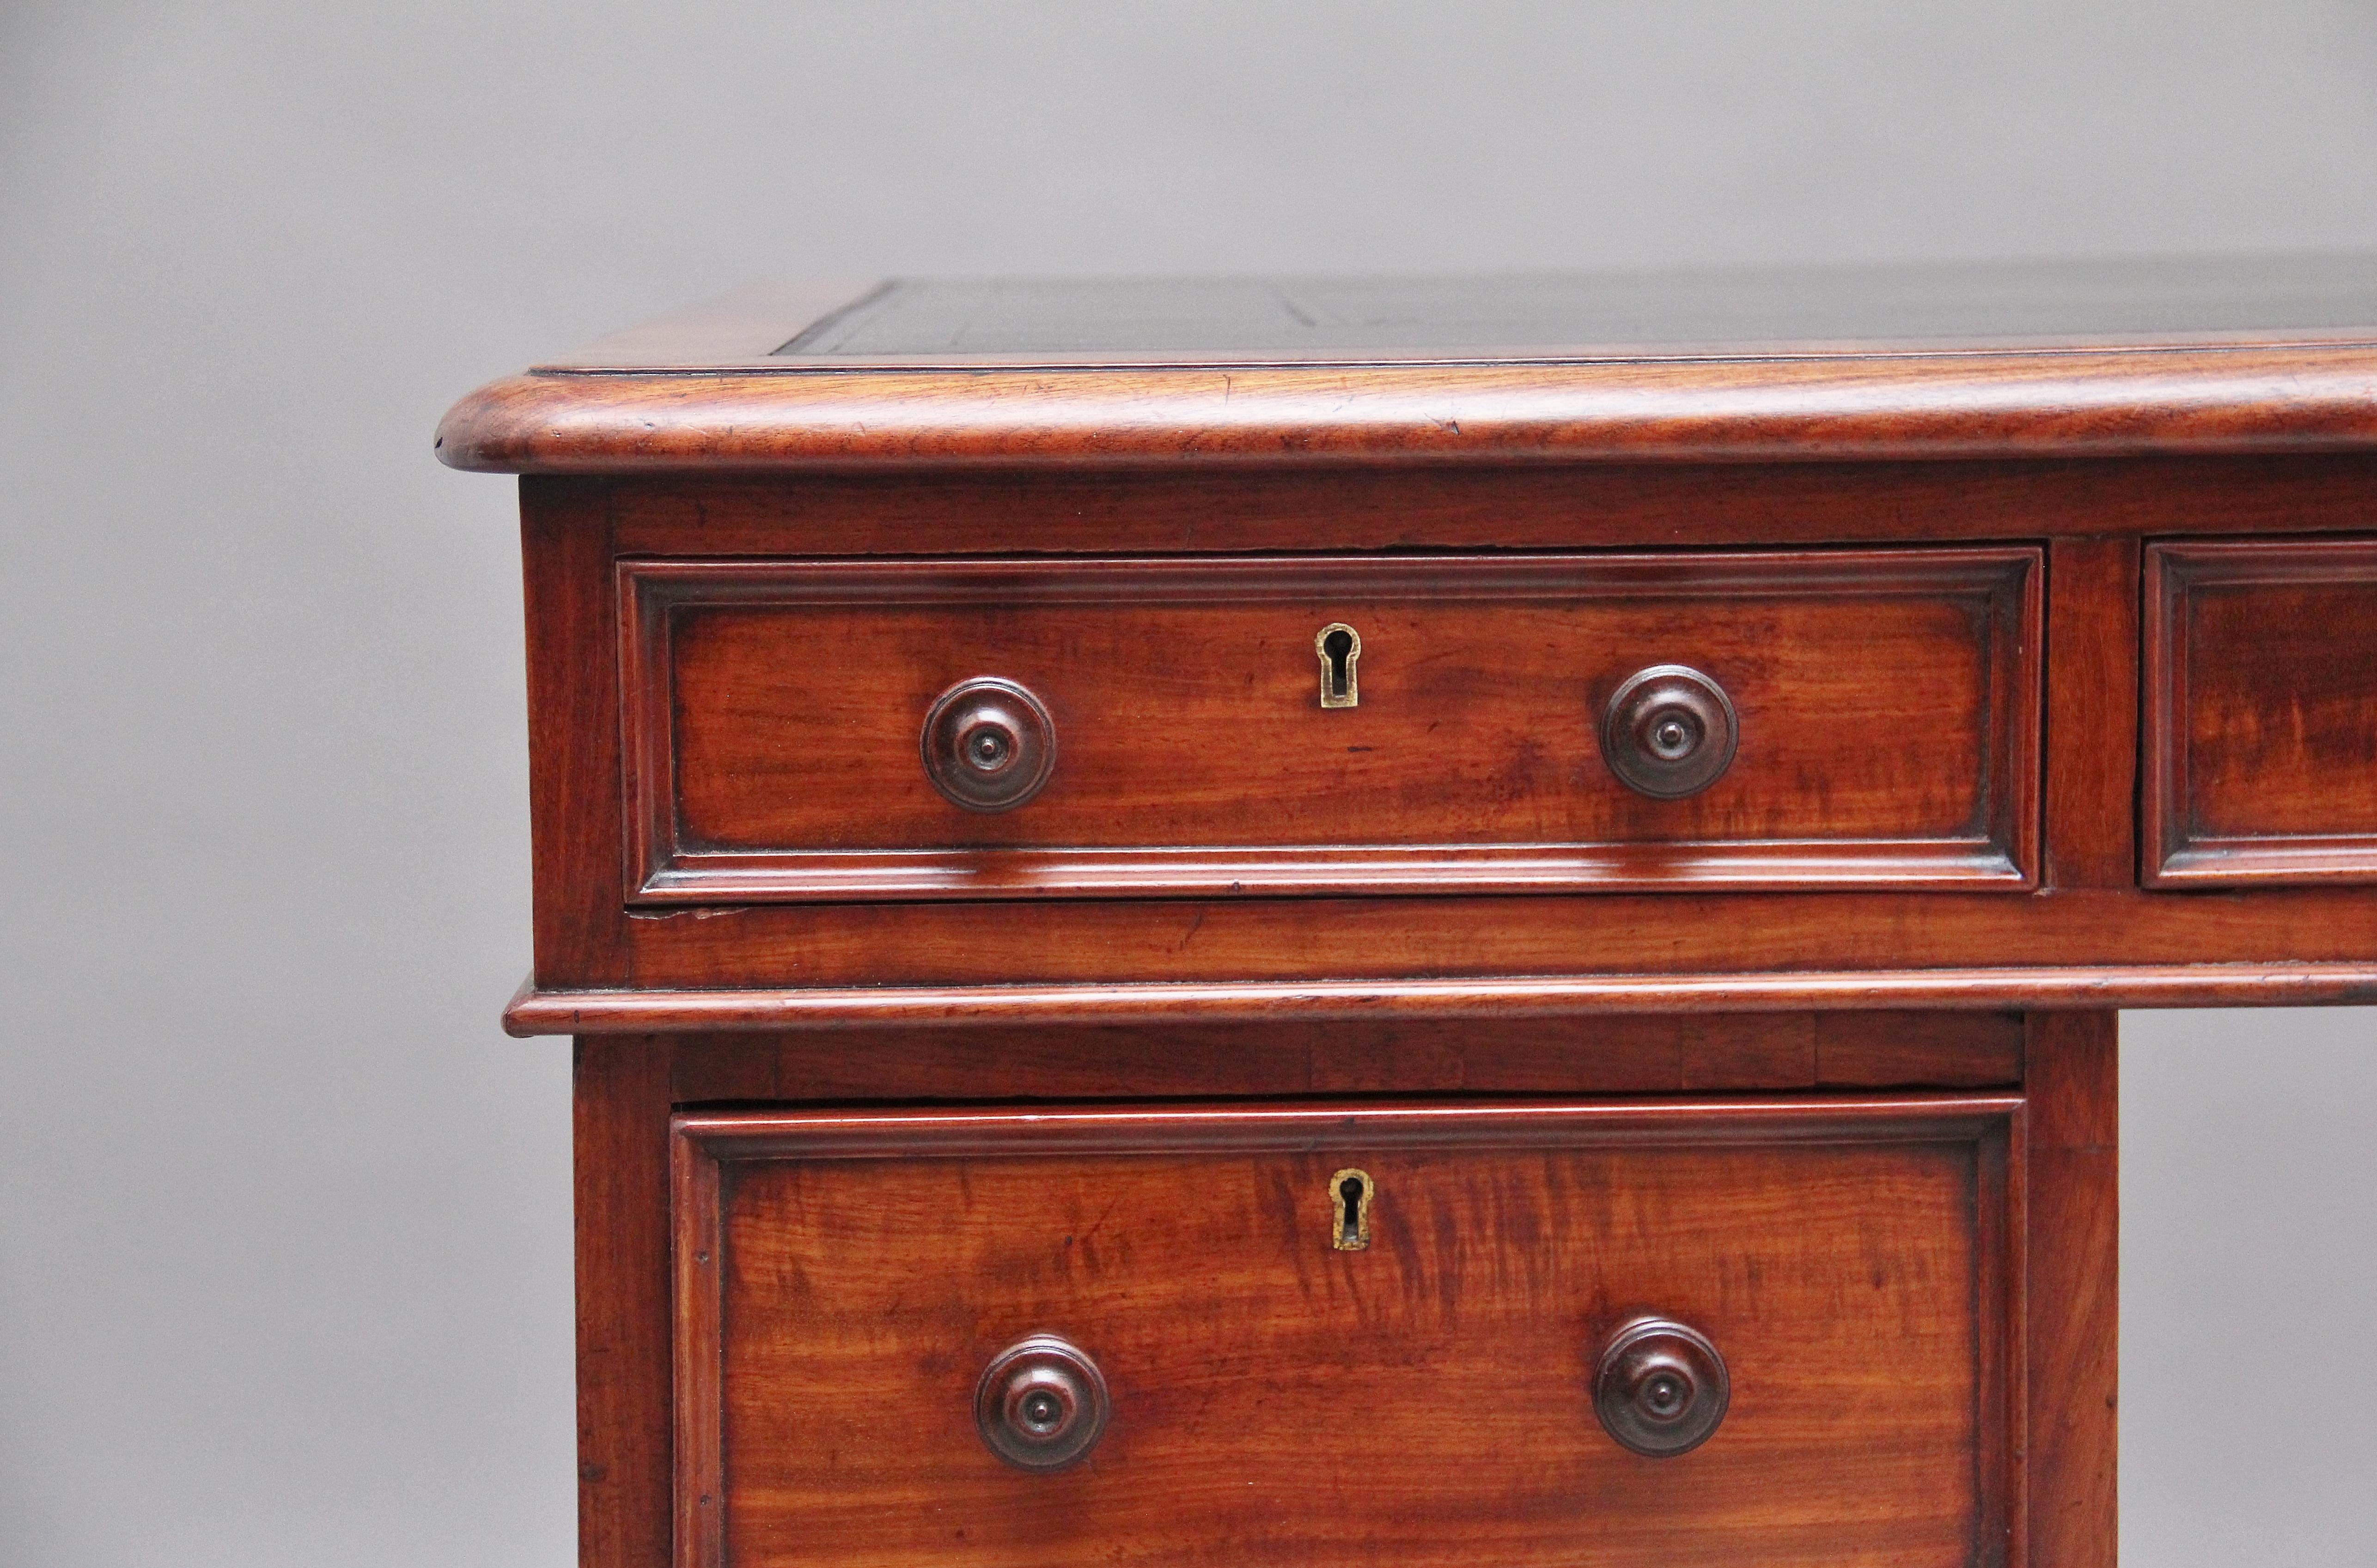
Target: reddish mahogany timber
2307 398
574 805
1609 1053
1481 507
2088 749
2261 756
1425 1399
1041 1405
1698 937
534 1012
620 1095
2091 712
1887 724
2070 1172
1662 1388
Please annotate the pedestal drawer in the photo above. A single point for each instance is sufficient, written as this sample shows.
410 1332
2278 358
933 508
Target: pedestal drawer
1673 1332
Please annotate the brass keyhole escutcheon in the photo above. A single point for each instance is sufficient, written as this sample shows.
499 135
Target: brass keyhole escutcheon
1339 646
1350 1192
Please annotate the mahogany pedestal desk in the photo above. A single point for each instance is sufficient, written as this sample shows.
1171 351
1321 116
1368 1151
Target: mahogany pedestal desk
1412 923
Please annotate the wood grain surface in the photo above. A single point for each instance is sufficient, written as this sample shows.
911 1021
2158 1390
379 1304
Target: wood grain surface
2261 749
1612 1054
2281 983
2092 713
2087 934
1182 509
620 1100
573 720
2309 398
1614 935
2072 1314
1426 1400
1888 704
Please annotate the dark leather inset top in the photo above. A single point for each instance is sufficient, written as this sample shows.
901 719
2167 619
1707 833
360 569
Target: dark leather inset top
1260 320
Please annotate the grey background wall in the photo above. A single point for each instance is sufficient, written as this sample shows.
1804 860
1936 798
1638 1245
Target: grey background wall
284 1269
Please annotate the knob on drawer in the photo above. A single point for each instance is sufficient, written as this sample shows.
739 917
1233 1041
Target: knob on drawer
1662 1387
989 744
1041 1404
1669 732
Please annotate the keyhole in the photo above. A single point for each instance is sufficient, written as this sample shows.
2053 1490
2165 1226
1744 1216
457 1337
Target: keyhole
1339 646
1349 1202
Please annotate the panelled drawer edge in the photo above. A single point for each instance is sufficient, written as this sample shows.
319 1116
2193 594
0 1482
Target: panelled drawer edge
2261 713
1401 1372
1887 704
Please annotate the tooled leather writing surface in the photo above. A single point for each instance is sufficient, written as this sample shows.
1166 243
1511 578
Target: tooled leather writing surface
1519 317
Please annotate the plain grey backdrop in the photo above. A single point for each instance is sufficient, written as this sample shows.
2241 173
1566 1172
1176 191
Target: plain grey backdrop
284 1232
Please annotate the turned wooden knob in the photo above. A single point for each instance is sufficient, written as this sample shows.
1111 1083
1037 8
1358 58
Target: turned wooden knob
989 744
1669 732
1041 1404
1661 1389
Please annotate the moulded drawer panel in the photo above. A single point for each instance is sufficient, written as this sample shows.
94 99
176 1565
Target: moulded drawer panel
1886 704
1428 1399
2261 712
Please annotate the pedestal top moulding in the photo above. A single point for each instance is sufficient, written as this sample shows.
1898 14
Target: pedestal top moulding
1400 923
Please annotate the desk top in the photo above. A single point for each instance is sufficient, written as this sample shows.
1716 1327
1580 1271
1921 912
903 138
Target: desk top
2029 359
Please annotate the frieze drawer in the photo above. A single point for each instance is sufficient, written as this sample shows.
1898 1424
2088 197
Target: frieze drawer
822 731
2261 712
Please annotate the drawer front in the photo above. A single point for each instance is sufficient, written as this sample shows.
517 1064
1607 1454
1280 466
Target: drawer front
1434 1365
1816 719
2261 739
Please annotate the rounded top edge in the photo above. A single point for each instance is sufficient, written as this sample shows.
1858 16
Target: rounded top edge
2122 402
